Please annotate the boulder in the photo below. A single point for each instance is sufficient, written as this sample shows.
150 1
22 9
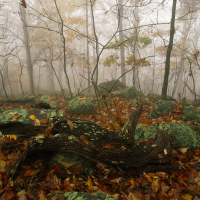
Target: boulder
185 135
106 86
81 106
161 106
49 100
128 93
191 114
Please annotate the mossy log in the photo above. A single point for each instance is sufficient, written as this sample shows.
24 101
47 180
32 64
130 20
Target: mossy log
115 149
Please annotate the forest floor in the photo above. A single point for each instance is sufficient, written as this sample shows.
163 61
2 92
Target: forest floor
181 184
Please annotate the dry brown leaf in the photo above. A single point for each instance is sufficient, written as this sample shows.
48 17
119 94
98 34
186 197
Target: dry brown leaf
70 124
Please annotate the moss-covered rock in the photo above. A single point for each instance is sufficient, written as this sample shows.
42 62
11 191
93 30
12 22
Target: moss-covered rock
23 115
66 160
191 114
49 100
74 95
160 107
25 97
114 84
153 96
135 101
128 93
82 196
185 134
30 99
81 106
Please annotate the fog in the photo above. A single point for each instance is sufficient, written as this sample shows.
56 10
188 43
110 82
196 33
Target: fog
49 46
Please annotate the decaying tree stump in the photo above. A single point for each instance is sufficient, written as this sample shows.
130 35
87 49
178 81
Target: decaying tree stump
116 149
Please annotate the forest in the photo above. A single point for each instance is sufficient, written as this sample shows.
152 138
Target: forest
99 99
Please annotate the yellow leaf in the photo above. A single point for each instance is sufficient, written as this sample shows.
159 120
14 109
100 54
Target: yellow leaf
32 117
165 151
36 122
132 183
155 184
14 137
182 150
14 118
115 125
89 183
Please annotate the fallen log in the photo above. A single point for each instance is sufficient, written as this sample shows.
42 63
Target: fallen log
115 149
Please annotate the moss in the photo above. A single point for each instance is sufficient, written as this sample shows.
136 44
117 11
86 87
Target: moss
50 100
114 84
160 107
81 106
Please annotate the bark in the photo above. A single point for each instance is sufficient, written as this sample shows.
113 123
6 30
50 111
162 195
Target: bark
169 50
87 46
28 53
88 140
121 38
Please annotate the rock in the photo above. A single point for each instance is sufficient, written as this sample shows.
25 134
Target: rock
23 115
185 134
160 107
135 101
128 93
74 95
106 86
81 106
153 96
49 100
191 114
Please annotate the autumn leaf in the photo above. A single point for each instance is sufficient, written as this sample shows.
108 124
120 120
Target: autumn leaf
182 150
70 124
36 122
115 125
15 118
89 183
155 184
165 151
2 166
108 146
85 139
32 117
42 112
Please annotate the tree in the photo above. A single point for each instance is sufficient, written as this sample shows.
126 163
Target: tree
169 49
121 38
27 46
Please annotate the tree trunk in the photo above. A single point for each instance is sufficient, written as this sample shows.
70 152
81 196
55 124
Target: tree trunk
121 38
28 53
87 45
169 50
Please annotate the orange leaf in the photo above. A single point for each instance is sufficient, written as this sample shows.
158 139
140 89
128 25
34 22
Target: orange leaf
32 117
89 183
107 146
14 118
115 125
85 139
70 124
